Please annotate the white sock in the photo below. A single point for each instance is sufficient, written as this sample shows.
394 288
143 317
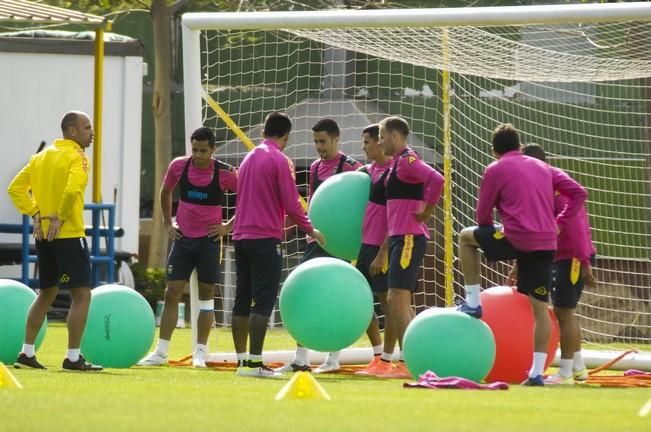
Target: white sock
579 365
566 368
333 357
28 350
301 356
241 356
255 358
387 356
162 347
73 354
377 349
201 349
538 366
472 295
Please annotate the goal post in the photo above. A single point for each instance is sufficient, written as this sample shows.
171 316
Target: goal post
575 78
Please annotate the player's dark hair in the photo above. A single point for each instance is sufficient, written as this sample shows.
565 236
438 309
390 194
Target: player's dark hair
373 131
505 139
396 124
328 126
535 151
204 134
276 125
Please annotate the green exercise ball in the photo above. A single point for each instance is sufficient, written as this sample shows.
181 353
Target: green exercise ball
449 343
337 210
326 304
15 300
120 327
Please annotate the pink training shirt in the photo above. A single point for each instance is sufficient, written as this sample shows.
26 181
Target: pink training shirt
267 190
410 170
328 168
192 219
522 189
374 226
575 241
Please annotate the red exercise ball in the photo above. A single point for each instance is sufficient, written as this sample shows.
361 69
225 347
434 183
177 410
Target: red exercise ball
508 314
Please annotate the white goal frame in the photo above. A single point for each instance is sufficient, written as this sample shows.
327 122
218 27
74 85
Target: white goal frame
193 23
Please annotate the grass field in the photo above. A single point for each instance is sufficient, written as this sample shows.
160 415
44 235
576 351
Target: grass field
181 398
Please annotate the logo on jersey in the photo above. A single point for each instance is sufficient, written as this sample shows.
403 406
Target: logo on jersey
411 160
196 195
84 163
498 235
64 278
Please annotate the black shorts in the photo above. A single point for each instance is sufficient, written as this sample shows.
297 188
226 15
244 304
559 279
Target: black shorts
534 268
406 254
379 282
258 264
189 253
314 250
567 282
64 263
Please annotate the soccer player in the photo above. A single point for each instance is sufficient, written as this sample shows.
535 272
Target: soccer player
412 190
50 189
331 161
196 237
373 255
571 271
522 190
267 191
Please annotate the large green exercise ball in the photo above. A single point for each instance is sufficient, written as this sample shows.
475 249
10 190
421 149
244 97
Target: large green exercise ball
326 304
15 300
120 327
337 210
449 343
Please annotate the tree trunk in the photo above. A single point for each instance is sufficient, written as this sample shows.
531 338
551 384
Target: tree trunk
162 23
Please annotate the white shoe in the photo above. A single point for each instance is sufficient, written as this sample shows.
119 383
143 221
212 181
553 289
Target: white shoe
153 359
292 367
199 359
257 372
199 362
328 367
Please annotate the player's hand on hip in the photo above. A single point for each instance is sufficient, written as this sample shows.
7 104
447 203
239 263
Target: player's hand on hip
54 227
219 230
173 231
318 236
38 229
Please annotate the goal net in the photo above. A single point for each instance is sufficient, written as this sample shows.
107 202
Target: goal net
577 81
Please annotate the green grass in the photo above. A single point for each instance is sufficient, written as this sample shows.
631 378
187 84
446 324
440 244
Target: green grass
180 398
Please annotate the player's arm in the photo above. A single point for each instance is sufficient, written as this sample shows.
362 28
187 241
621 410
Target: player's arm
19 192
379 263
487 199
417 171
575 193
166 197
290 200
24 201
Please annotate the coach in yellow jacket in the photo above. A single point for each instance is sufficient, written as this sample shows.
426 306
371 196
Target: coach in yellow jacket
50 188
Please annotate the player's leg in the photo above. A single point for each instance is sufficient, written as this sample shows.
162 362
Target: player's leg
242 303
266 268
48 281
535 275
207 252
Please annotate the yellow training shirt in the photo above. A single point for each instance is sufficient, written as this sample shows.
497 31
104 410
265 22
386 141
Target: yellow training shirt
57 178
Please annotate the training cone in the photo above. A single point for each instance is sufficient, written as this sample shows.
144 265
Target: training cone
302 386
7 379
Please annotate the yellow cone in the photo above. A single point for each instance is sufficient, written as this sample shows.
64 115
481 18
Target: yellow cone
7 380
302 386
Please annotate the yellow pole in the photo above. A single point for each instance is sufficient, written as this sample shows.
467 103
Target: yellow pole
236 129
97 111
448 233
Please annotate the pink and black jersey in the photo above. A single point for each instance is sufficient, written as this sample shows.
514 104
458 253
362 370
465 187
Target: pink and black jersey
374 226
522 188
201 193
321 170
575 240
410 184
